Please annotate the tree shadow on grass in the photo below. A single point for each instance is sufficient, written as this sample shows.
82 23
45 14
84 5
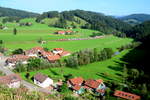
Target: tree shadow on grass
53 72
104 76
115 68
118 66
118 74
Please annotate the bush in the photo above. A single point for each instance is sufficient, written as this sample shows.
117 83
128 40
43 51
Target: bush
18 51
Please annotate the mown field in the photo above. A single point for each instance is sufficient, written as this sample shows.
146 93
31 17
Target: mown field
107 70
27 37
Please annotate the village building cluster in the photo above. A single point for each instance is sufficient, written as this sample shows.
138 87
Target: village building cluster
64 32
79 85
37 52
12 80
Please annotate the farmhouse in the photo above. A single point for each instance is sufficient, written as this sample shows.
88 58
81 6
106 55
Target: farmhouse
79 85
42 80
61 32
53 58
61 52
69 31
12 61
75 81
126 95
58 50
64 32
12 81
34 51
96 86
45 54
76 84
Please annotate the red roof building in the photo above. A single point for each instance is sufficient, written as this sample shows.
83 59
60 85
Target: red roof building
45 54
53 58
12 80
76 81
16 58
69 31
58 49
100 80
60 32
126 95
92 83
76 87
65 53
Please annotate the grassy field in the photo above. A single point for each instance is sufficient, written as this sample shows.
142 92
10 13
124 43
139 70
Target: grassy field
107 70
27 37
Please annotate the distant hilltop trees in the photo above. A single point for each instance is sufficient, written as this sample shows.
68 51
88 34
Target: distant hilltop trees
95 21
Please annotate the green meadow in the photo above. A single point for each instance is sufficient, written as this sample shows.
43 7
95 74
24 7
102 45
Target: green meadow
107 70
27 37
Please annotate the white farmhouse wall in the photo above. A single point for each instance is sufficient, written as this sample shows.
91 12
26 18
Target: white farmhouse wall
45 84
14 84
56 52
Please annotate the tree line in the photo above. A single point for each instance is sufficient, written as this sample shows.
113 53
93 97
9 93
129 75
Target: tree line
88 56
95 21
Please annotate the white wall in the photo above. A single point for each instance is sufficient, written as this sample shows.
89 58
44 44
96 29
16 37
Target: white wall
32 55
56 52
14 85
45 84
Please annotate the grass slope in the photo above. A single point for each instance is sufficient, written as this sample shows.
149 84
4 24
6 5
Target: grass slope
111 68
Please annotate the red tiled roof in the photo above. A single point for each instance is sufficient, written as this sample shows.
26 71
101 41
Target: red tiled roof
92 83
9 79
40 77
86 87
38 48
61 32
77 87
64 53
100 90
53 58
126 95
45 54
58 49
76 81
34 50
69 31
16 58
100 80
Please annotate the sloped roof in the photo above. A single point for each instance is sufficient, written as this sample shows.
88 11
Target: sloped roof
126 95
10 79
61 32
58 49
64 53
77 87
76 81
45 54
100 80
16 58
53 58
40 77
92 83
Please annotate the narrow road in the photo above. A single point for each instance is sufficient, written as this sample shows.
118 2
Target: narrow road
28 85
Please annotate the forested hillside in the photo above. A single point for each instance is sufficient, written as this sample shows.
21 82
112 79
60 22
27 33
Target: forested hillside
138 60
15 13
95 21
135 19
